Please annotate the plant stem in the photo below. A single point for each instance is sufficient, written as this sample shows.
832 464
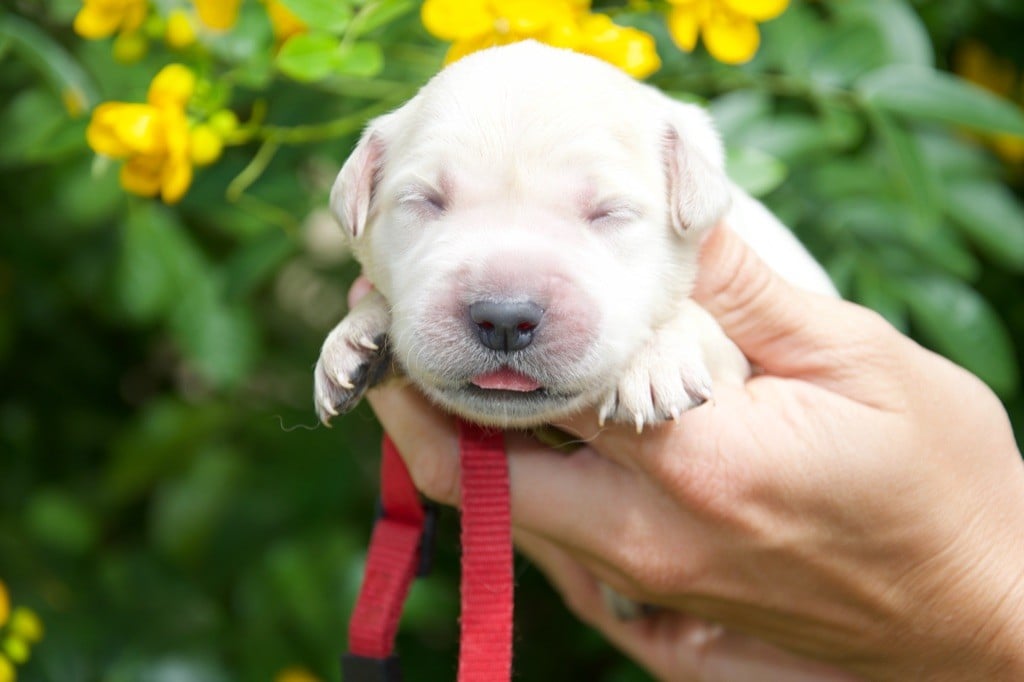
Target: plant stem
252 172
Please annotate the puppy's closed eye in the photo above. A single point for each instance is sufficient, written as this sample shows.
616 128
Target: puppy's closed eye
427 202
612 215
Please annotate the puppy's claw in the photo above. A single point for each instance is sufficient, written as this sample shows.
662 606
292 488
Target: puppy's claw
345 383
638 419
367 343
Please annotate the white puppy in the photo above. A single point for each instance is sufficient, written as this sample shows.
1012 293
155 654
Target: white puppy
531 221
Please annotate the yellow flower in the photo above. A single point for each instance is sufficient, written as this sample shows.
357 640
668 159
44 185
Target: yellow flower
282 21
630 49
220 15
152 138
130 47
728 27
473 25
180 31
976 63
5 604
26 624
7 673
104 18
478 24
205 145
16 649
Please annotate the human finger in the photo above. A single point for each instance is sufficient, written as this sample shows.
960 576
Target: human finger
783 329
562 497
670 644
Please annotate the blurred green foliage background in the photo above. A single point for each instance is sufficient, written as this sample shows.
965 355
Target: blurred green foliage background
169 505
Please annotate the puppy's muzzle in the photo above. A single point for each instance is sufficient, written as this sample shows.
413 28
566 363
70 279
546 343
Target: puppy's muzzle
505 326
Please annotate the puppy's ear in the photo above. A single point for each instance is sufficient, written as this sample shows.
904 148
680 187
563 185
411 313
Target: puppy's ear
354 187
698 189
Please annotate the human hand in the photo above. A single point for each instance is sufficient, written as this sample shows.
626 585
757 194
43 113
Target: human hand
859 503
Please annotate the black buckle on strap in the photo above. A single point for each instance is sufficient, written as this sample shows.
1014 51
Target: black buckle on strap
362 669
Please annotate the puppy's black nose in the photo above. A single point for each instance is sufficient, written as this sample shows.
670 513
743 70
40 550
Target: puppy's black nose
505 325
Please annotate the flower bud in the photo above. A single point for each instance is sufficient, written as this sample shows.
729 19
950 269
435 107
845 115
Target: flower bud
180 32
223 122
205 146
15 648
130 47
26 624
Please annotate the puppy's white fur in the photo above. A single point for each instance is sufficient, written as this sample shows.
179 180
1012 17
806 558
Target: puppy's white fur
530 173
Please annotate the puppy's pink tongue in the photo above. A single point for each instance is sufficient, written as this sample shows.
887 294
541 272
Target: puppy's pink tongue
505 379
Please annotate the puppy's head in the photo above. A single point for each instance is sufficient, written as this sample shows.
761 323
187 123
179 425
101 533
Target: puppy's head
532 215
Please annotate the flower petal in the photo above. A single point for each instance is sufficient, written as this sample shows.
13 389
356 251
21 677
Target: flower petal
530 17
118 129
172 87
180 32
730 38
141 175
220 15
134 15
684 27
282 21
96 21
457 20
758 10
630 49
177 176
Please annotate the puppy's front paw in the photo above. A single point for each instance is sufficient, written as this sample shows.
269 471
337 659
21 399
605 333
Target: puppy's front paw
354 357
675 371
667 378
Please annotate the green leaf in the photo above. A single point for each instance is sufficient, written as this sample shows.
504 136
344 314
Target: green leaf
255 263
846 54
961 325
364 59
332 16
849 176
909 170
789 42
309 56
28 120
186 510
60 521
218 339
887 223
157 259
753 170
952 156
736 110
928 95
990 215
68 80
376 13
875 291
905 37
786 137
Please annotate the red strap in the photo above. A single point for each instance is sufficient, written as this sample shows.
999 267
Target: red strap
391 563
486 645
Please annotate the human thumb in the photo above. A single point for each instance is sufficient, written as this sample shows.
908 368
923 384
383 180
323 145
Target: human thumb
783 329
